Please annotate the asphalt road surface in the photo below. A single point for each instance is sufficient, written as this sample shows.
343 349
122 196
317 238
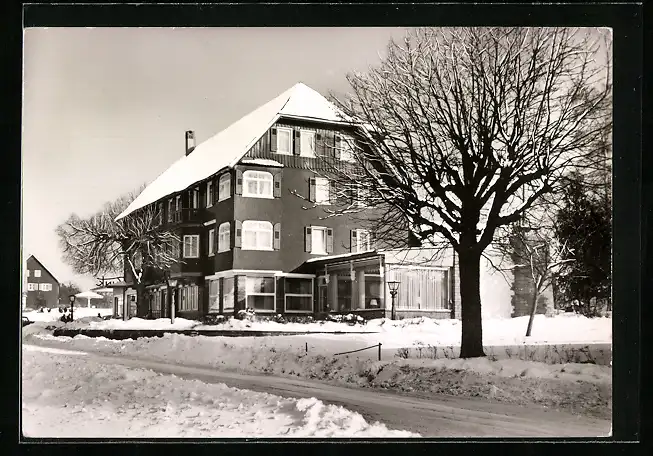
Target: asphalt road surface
429 415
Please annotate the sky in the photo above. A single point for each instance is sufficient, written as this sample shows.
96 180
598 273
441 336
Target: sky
105 109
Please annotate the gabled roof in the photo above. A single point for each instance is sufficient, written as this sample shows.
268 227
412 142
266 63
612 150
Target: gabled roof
230 145
42 267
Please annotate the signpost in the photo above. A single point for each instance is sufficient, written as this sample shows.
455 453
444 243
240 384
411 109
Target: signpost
71 298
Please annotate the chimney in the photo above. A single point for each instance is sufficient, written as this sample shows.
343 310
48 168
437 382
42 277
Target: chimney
190 141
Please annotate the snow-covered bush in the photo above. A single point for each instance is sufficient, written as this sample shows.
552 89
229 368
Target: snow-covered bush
214 320
247 314
278 318
349 319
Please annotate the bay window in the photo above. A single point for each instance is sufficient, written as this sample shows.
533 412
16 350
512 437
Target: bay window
298 294
228 296
260 293
214 296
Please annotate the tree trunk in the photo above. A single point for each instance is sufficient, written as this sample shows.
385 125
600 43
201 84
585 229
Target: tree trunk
472 330
532 316
141 304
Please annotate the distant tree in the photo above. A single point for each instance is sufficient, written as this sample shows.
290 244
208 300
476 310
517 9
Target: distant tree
463 130
67 289
100 245
584 224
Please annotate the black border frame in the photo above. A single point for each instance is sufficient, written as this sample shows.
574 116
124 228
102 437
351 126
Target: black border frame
629 210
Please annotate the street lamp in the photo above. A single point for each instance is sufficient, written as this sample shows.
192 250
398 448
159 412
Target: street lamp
394 289
172 284
71 298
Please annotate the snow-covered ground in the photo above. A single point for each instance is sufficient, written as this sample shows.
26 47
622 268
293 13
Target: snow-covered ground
78 312
561 329
73 396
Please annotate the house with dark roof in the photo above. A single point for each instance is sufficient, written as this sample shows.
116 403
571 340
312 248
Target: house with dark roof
41 285
249 241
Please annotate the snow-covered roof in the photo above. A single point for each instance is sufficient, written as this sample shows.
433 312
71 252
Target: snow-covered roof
230 145
261 162
369 254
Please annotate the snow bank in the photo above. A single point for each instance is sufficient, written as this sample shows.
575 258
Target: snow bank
54 315
78 397
561 329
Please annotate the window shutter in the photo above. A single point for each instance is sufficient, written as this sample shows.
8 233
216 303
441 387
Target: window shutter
337 144
238 233
277 236
308 240
297 146
273 139
353 241
329 242
277 185
239 182
319 144
312 189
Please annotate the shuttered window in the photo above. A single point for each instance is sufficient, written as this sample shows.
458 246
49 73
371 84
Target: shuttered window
284 138
257 235
307 141
318 240
258 184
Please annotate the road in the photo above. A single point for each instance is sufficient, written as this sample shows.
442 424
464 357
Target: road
430 416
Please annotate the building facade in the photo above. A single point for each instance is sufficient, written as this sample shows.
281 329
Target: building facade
249 207
41 286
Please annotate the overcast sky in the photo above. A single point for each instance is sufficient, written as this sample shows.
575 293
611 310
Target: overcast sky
105 109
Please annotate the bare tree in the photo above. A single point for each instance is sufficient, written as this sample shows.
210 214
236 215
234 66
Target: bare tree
464 129
101 245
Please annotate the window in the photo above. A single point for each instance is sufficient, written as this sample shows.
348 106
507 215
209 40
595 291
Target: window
45 286
195 198
307 139
175 249
224 242
191 246
257 235
318 240
32 286
28 273
360 195
189 298
211 242
170 210
224 187
361 241
260 293
345 149
228 296
209 194
322 190
178 203
257 184
159 213
214 296
298 295
284 141
37 273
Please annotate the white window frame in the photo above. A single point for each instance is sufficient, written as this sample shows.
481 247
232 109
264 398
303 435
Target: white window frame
367 233
224 245
232 305
211 242
27 273
31 286
273 294
184 293
192 238
195 198
170 209
251 223
224 187
209 193
290 145
260 176
302 135
322 184
285 295
37 273
178 203
313 230
350 153
212 297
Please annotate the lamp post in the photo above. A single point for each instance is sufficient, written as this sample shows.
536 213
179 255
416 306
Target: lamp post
172 285
394 289
71 298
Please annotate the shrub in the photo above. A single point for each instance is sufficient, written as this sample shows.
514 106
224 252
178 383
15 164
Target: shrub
214 320
248 314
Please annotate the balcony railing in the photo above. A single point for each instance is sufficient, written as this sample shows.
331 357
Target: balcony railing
186 216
